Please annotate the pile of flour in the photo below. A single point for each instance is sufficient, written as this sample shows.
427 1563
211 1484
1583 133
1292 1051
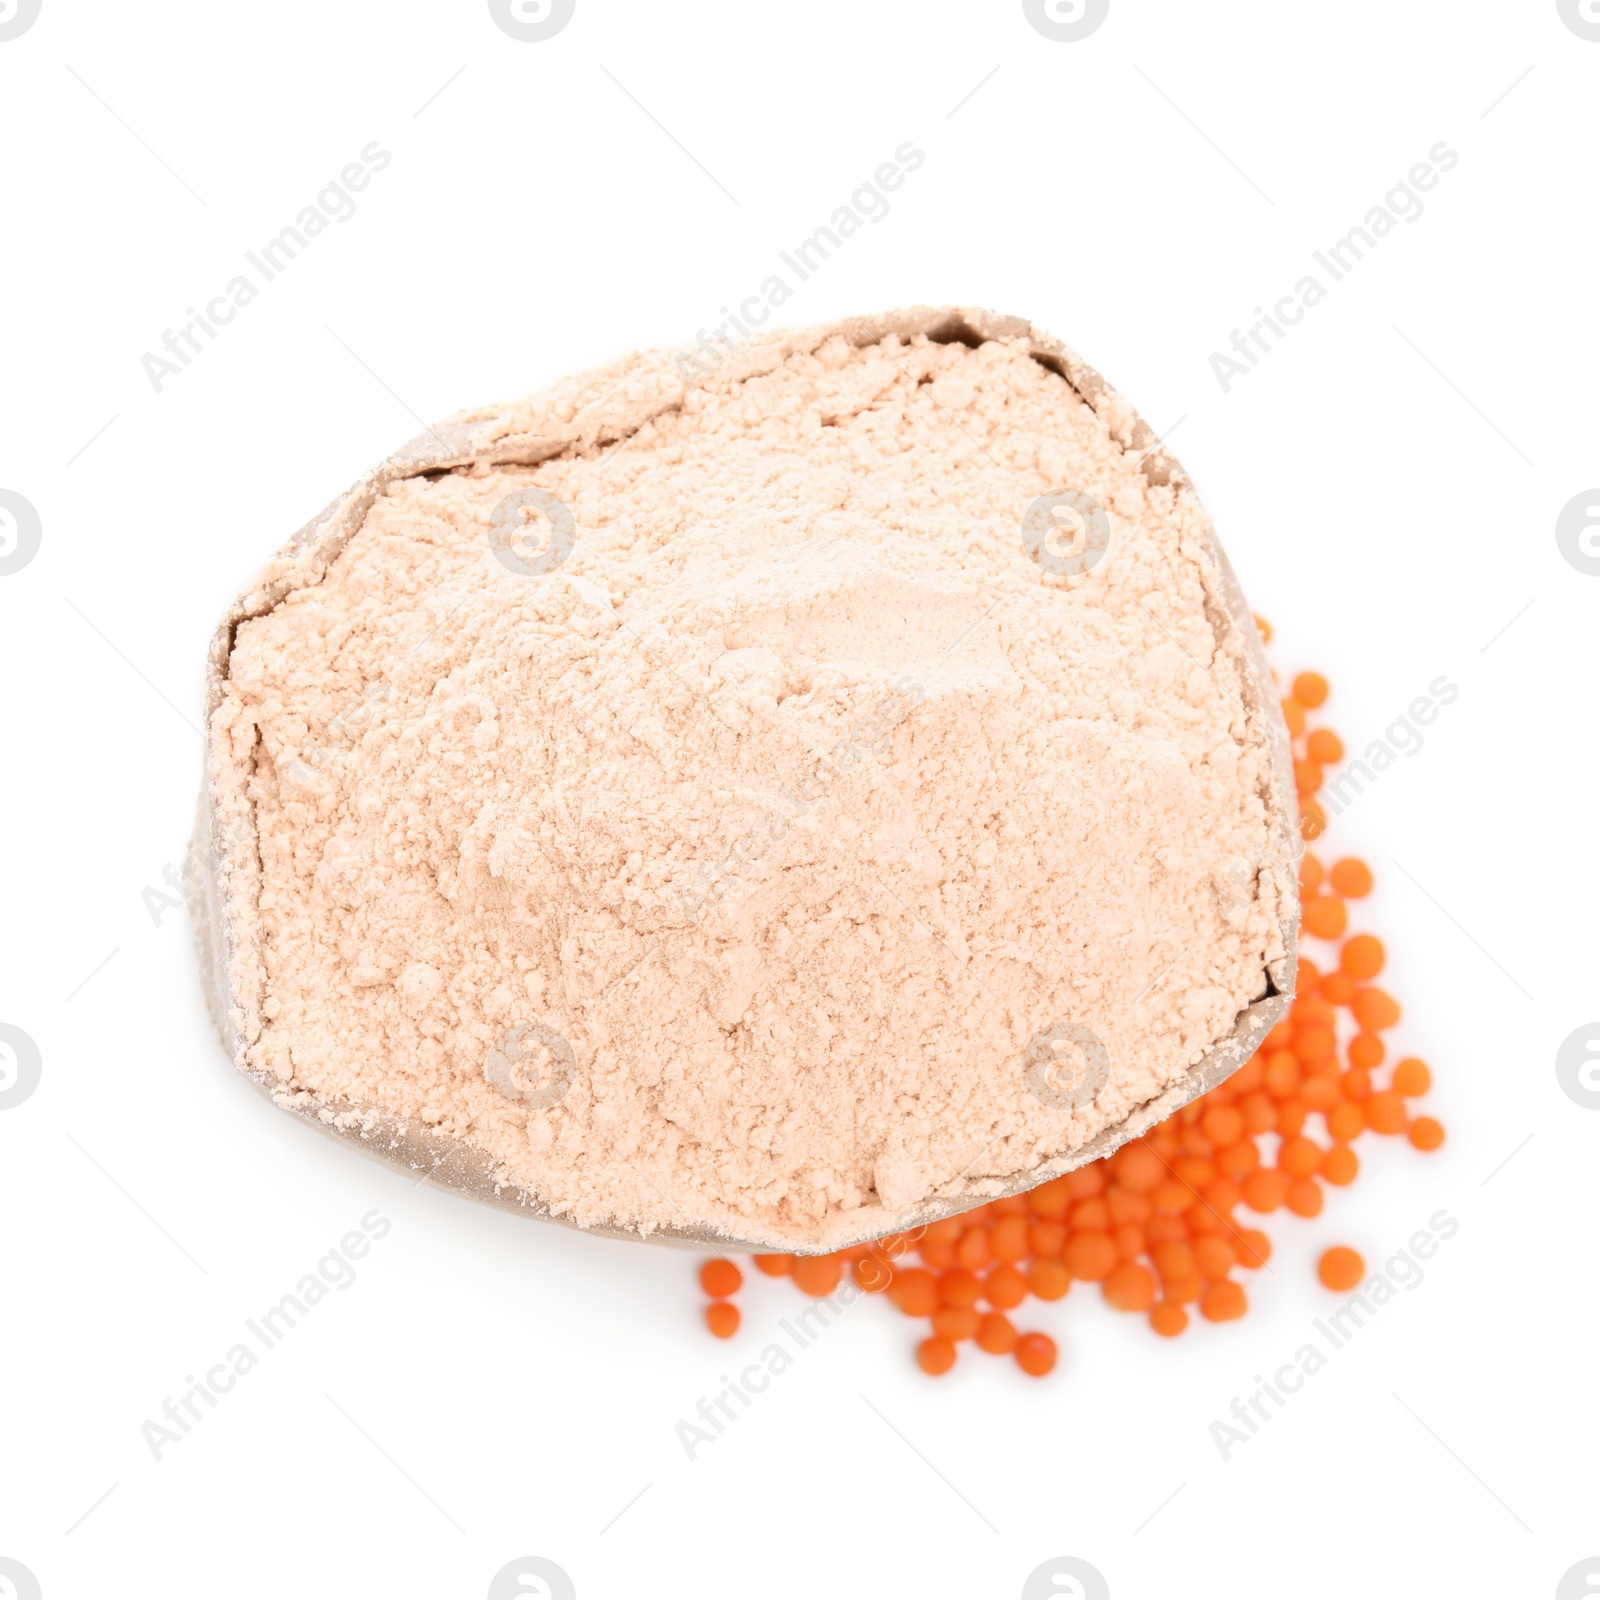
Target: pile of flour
733 826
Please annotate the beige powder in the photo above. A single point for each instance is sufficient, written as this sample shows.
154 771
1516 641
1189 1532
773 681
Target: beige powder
722 865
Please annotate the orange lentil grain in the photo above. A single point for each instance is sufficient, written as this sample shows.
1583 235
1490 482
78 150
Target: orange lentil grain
1338 988
956 1323
1411 1078
1340 1165
720 1278
973 1252
1375 1009
1130 1287
1173 1259
1317 1094
1215 1257
996 1335
960 1288
1266 1190
1315 1045
1129 1238
1260 1114
816 1275
1222 1124
1049 1200
1009 1238
1311 1007
1047 1239
774 1266
1124 1205
1138 1167
1282 1076
1341 1268
1299 1157
1366 1050
1254 1247
1048 1279
722 1318
1346 1121
1326 746
1185 1289
1351 877
873 1273
1084 1183
1168 1319
1090 1256
1005 1288
1305 1197
915 1292
1362 956
1426 1134
1323 916
1386 1113
1223 1302
1164 1229
1239 1160
1036 1354
936 1356
1310 689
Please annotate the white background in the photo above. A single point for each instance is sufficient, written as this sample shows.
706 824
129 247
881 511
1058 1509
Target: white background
1387 483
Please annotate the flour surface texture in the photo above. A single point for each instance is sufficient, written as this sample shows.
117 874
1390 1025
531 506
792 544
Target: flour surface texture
833 793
